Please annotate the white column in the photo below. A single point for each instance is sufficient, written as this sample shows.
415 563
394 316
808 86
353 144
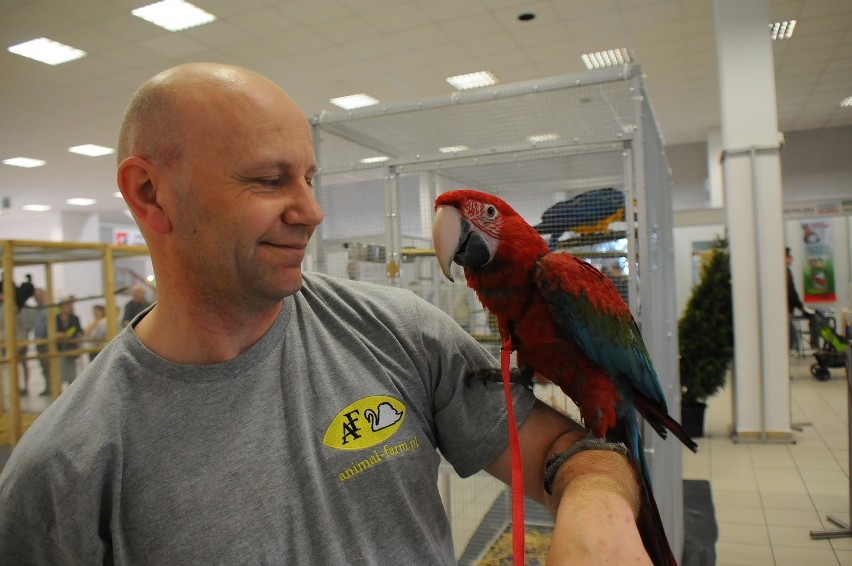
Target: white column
714 169
752 188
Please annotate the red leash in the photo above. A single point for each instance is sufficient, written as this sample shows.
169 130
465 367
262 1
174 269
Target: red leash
515 453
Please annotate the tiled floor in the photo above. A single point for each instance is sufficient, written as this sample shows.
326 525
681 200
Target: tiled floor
769 497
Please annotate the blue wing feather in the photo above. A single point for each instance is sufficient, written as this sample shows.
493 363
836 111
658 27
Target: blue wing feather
608 336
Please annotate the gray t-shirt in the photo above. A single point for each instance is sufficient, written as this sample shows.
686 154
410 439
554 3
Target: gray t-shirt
315 446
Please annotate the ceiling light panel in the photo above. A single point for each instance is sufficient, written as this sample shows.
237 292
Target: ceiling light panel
608 58
453 148
846 102
473 80
354 101
541 138
36 207
91 150
782 30
24 162
174 15
47 51
376 159
81 201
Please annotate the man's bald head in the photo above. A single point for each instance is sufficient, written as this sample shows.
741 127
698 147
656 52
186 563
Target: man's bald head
162 110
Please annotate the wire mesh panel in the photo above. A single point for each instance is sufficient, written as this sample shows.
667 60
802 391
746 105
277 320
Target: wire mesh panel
567 153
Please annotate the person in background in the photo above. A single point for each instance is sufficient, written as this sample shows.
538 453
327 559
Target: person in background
68 331
135 305
96 330
255 409
793 300
24 324
40 335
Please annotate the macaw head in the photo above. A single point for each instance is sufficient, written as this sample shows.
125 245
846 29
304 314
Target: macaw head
477 229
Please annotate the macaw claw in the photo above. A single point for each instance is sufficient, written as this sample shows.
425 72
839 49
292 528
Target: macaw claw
494 374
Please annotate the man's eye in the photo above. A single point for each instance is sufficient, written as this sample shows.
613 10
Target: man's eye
270 182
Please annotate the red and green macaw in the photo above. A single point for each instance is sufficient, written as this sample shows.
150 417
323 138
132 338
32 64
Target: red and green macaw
566 322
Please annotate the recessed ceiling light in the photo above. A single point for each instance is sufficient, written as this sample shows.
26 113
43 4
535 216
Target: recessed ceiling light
473 80
174 15
117 194
24 162
539 138
782 30
453 148
608 58
47 51
377 159
846 102
81 201
91 150
354 101
36 207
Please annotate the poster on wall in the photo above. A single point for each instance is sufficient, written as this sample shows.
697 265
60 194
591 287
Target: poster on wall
127 237
819 264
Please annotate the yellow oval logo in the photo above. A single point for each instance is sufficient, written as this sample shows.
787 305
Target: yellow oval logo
365 423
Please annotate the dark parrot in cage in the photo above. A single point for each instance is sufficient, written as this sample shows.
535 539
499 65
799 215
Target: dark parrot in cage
567 324
590 212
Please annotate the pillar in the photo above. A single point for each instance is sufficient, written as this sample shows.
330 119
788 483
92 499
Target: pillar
751 176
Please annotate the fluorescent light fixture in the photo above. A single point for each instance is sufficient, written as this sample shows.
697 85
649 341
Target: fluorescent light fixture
47 51
354 101
377 159
453 148
846 102
91 150
117 194
174 15
782 30
24 162
540 138
36 207
473 80
81 201
608 58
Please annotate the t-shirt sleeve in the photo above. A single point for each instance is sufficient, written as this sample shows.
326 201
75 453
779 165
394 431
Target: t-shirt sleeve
470 416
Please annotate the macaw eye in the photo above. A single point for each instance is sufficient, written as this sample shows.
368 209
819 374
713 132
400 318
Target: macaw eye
490 212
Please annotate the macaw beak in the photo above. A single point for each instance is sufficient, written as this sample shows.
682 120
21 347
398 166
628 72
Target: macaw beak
447 236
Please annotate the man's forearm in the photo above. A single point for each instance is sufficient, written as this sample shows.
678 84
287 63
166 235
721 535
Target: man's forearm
595 501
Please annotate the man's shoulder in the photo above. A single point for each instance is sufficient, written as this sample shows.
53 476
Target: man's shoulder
322 283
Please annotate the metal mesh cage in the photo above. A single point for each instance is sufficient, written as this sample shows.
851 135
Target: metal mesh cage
579 157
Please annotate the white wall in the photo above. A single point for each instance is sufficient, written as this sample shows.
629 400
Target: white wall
815 165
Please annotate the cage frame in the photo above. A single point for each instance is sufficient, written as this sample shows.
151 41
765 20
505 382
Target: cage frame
649 218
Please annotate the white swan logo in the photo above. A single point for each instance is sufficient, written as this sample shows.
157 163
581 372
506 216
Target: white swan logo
386 416
365 423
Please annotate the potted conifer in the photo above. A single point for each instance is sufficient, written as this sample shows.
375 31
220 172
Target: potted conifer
706 338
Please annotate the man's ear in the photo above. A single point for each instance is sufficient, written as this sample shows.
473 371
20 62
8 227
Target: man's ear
137 180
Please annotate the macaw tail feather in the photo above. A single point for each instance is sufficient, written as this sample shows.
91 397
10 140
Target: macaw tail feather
661 421
650 525
649 522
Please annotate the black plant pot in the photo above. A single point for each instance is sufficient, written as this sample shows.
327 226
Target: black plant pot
692 417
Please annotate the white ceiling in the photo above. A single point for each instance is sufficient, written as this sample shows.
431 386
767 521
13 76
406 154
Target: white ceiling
392 49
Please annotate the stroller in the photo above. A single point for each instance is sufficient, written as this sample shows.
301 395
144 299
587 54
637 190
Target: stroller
833 351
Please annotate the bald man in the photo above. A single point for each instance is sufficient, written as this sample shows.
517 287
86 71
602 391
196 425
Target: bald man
258 414
135 305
